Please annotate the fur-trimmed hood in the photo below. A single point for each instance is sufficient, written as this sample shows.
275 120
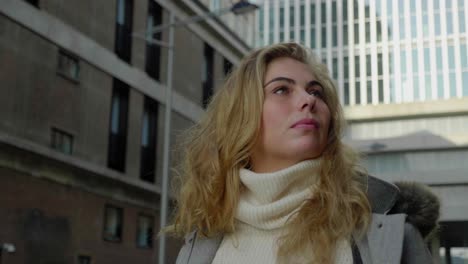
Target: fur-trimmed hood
420 205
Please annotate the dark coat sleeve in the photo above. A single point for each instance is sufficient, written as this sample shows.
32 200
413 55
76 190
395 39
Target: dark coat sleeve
415 250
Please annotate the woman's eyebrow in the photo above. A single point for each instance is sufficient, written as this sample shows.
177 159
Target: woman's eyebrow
289 80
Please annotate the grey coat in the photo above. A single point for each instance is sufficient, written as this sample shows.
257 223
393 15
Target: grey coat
401 216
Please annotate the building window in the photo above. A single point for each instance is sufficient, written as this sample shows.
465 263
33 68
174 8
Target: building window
84 259
148 140
123 31
454 242
207 74
68 66
118 126
61 141
153 51
145 232
227 67
33 2
113 222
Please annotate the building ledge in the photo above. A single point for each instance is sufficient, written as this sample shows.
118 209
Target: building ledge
42 162
413 142
366 113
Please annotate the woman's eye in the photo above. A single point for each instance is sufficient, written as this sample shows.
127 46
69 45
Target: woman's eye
316 93
281 90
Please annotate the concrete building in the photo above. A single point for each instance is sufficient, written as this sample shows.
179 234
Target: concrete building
402 72
82 120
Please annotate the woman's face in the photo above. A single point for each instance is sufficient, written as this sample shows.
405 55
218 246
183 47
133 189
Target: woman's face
295 117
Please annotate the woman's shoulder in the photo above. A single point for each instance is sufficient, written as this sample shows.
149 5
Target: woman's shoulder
416 200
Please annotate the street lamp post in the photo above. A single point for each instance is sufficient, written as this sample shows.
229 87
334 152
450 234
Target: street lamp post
167 141
239 8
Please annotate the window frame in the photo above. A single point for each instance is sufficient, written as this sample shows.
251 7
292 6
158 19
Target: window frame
119 237
137 233
64 73
58 144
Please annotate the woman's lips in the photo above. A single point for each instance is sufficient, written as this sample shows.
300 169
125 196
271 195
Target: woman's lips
307 123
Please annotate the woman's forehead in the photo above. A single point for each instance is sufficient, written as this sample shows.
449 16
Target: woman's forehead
288 68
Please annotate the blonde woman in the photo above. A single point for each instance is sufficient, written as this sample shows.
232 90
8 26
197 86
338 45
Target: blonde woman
267 179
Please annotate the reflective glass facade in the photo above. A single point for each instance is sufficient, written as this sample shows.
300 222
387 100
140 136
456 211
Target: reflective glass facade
382 51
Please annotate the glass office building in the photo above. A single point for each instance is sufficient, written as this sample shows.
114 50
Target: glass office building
379 52
401 68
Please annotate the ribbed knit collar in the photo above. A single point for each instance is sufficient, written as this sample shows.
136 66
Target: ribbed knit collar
269 199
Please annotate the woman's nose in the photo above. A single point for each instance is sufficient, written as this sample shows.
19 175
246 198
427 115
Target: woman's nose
307 101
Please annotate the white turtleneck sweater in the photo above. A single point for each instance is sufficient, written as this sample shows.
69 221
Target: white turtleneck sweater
265 205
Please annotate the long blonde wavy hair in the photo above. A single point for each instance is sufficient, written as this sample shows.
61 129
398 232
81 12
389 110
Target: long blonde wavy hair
220 145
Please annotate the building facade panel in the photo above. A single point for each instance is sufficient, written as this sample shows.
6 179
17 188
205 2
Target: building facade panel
67 85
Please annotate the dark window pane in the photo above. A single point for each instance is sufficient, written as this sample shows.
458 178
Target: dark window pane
313 37
345 35
334 12
302 17
281 18
324 37
153 51
291 16
369 92
148 140
207 74
368 65
227 66
381 91
379 30
335 68
334 36
358 93
368 32
145 232
323 13
33 2
84 260
356 67
346 93
356 33
123 34
346 67
61 141
379 64
391 66
113 221
345 11
118 126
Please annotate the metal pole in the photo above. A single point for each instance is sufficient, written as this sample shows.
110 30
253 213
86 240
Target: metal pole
167 141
